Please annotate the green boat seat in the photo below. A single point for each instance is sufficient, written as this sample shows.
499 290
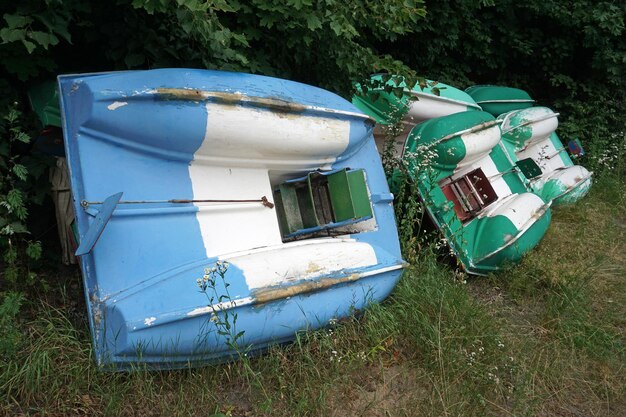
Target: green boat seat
321 201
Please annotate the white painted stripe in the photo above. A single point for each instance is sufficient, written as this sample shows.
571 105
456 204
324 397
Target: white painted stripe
251 225
536 119
529 223
518 208
294 263
297 243
249 133
429 107
479 145
540 150
519 100
422 95
569 177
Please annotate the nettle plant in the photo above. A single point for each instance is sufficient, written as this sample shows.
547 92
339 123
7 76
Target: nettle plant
19 172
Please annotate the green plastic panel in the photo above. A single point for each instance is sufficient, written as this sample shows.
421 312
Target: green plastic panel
348 194
319 200
498 100
44 99
529 168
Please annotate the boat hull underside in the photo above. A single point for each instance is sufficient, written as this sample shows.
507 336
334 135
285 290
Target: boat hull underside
191 136
193 339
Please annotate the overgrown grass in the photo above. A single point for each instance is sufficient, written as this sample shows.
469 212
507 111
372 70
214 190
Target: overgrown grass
544 338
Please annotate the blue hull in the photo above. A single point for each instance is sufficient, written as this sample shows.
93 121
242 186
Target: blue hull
193 153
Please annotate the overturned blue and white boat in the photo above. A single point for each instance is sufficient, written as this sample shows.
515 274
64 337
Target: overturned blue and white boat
268 193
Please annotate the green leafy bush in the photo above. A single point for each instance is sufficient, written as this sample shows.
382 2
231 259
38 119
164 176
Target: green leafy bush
19 186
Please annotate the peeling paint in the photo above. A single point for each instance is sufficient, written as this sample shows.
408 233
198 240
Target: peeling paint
148 321
116 105
274 104
313 267
268 294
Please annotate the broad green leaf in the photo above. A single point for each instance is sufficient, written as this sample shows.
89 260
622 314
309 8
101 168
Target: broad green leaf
17 228
12 35
17 21
336 27
313 22
30 47
14 198
43 39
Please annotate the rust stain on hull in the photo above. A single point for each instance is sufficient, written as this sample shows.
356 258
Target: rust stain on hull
271 103
265 295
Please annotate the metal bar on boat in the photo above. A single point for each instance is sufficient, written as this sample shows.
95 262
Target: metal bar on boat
263 200
558 151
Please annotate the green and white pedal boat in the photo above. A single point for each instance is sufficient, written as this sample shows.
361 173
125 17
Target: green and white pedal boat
497 100
530 133
424 101
473 192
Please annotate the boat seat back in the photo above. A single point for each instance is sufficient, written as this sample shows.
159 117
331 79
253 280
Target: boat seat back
322 201
469 193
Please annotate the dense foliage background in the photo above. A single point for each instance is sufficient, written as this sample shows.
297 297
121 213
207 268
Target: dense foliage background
569 55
